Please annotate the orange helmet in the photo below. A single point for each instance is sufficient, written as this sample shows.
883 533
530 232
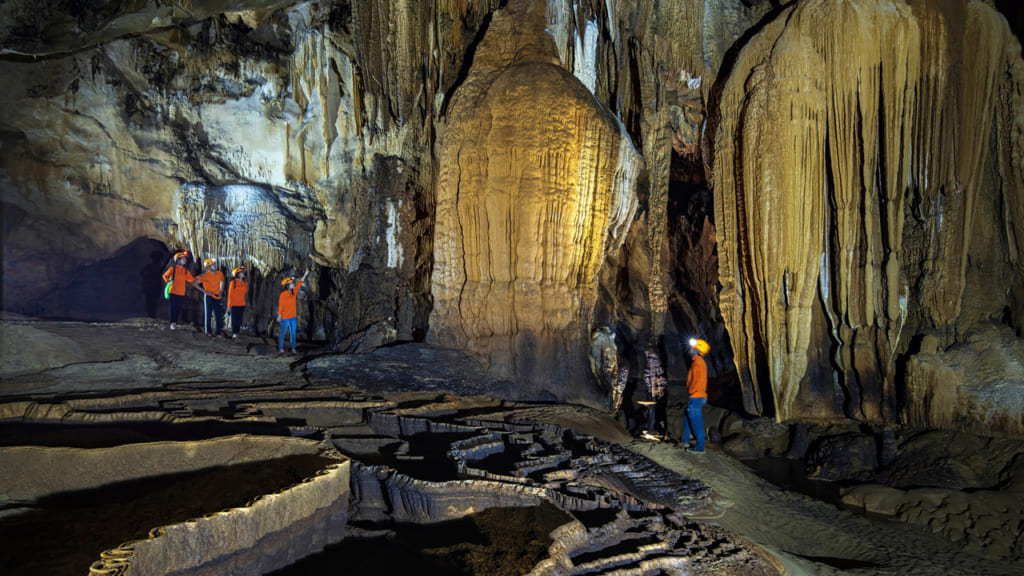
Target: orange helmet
182 254
209 262
701 346
287 281
237 270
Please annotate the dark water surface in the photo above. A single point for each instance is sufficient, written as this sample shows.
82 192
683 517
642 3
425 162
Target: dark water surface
122 433
791 475
66 533
495 542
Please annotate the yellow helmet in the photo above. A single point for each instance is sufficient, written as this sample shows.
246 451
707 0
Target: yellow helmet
701 346
287 281
182 254
237 270
209 262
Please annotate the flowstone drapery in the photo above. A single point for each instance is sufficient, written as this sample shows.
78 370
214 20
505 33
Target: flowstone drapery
856 172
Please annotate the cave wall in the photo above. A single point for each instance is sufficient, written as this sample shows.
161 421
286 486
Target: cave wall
279 135
859 185
814 186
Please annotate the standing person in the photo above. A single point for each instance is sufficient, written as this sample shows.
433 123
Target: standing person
211 284
697 386
179 277
287 315
236 299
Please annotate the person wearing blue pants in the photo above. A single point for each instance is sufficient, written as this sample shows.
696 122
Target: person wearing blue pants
697 386
179 277
287 313
211 284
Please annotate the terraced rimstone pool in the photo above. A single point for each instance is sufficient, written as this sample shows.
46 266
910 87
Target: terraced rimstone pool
264 527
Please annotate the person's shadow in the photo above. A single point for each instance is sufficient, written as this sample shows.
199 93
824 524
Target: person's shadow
152 280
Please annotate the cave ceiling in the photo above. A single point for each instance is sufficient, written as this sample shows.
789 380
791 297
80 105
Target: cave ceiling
828 191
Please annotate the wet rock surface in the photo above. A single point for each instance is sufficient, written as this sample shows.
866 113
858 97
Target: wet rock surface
417 451
63 534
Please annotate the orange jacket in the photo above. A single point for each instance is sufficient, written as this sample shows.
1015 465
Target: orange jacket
236 293
286 302
212 281
181 277
697 379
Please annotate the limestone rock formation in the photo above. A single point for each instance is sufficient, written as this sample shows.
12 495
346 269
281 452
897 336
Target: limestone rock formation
862 157
536 182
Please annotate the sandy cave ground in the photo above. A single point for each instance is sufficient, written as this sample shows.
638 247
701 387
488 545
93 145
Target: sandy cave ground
53 359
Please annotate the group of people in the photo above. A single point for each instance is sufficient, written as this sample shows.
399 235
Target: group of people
211 283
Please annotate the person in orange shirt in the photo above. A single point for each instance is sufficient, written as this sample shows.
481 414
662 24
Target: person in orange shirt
211 284
179 277
287 315
237 289
697 386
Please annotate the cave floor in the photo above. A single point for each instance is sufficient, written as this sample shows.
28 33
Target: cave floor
813 537
50 361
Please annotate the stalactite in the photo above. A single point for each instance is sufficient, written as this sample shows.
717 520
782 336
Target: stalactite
1010 146
805 217
238 226
738 295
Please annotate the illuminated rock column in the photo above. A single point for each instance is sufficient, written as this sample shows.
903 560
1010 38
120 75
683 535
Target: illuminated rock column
535 184
855 171
812 159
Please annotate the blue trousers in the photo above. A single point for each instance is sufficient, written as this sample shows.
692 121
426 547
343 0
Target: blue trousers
174 303
216 307
287 325
693 422
237 313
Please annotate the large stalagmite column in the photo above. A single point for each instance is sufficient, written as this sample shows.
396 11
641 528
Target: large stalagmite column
535 184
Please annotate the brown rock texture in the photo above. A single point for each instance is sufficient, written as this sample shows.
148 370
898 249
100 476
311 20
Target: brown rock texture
862 154
535 183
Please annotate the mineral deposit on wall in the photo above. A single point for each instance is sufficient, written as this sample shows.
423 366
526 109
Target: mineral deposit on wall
864 151
536 181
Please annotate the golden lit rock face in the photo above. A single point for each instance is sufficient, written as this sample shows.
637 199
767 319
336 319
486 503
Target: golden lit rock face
535 183
855 167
